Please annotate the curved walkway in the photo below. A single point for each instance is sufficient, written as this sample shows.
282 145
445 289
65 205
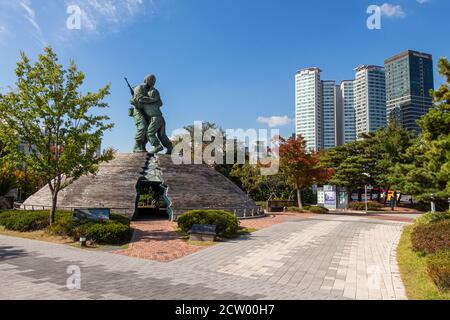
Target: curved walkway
321 257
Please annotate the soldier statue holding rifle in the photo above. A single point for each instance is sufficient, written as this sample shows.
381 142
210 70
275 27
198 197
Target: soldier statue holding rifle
150 123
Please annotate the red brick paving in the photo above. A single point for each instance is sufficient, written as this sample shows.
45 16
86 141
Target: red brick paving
158 240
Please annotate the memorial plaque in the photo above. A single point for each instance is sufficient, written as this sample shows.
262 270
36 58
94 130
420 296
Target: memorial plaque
203 229
96 214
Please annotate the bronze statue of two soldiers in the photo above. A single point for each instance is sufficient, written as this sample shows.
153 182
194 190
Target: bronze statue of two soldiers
150 123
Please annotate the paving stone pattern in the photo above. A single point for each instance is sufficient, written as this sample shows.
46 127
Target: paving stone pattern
323 257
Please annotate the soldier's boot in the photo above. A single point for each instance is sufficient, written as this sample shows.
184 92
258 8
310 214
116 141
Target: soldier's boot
139 147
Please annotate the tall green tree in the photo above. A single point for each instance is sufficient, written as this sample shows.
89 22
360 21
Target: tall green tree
55 121
372 160
351 164
427 169
387 147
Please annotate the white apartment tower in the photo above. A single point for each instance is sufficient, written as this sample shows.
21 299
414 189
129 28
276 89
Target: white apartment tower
329 114
370 99
348 106
316 109
308 107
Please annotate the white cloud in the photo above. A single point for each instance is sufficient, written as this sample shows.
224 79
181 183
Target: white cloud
30 16
392 11
275 121
98 13
423 1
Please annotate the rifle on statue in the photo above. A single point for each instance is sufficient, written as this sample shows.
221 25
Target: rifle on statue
130 110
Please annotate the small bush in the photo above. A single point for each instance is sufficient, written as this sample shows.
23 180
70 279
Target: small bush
438 267
432 217
106 232
361 206
227 224
296 209
113 231
432 237
24 221
319 210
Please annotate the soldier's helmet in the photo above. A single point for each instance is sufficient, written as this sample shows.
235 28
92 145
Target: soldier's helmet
150 79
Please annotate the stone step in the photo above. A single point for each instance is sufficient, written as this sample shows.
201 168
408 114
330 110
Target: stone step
192 187
115 186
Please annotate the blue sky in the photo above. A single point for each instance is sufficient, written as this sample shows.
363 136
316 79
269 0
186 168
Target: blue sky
228 62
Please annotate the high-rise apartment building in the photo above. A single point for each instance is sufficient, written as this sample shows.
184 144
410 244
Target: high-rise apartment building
370 99
308 107
348 105
330 124
409 79
316 109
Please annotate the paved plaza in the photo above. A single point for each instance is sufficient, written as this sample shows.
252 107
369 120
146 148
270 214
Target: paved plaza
318 257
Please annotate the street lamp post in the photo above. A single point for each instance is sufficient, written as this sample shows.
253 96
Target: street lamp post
433 204
365 197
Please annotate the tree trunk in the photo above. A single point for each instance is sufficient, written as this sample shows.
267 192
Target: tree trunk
299 198
53 209
379 194
359 196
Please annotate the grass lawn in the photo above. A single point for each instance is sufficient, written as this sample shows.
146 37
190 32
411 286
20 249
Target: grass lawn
413 269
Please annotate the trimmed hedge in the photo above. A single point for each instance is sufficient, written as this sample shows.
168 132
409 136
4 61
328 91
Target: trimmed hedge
24 221
306 209
432 237
319 210
227 224
432 217
113 231
361 206
438 267
296 209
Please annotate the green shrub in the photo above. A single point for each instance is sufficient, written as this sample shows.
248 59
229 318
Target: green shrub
113 231
24 221
361 206
319 210
438 267
432 217
227 224
296 209
432 237
105 232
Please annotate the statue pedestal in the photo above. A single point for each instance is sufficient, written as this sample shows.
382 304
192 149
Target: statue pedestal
194 186
187 187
